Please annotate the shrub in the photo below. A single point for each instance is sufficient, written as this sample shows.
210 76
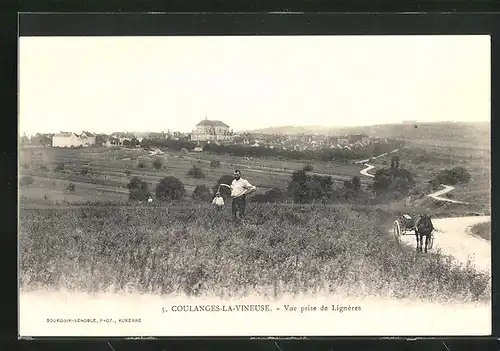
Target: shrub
202 193
141 164
304 188
59 167
215 164
170 188
356 183
70 187
308 168
457 175
128 172
138 189
224 191
196 172
157 163
396 180
381 181
271 196
26 180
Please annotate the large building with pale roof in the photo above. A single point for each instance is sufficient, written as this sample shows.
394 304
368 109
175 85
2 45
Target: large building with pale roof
211 130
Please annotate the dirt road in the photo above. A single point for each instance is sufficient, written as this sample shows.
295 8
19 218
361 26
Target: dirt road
447 189
454 239
365 171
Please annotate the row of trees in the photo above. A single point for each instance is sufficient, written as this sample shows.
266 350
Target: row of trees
169 188
304 186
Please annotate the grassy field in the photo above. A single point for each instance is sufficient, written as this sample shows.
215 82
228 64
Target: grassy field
482 230
107 178
107 171
283 249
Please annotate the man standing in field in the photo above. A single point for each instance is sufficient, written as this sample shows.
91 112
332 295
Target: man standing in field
239 189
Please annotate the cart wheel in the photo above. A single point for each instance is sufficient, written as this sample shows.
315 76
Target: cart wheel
396 229
431 241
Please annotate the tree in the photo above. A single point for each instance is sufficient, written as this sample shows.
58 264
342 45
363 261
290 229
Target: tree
457 175
157 163
100 139
196 172
170 188
138 189
202 193
134 142
308 168
24 140
356 183
145 143
297 187
304 188
60 167
42 140
215 164
381 181
395 162
26 180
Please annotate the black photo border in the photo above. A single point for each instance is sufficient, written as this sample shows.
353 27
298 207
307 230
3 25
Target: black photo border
288 23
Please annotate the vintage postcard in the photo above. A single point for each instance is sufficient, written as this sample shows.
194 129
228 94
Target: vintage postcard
254 186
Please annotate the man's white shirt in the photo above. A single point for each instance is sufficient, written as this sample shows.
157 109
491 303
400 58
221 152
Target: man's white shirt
240 186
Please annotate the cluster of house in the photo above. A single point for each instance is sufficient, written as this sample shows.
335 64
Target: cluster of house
86 139
219 132
306 142
208 131
66 139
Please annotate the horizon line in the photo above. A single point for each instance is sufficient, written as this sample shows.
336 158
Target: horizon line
273 126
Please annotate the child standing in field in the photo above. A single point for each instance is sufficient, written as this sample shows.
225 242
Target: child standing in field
218 201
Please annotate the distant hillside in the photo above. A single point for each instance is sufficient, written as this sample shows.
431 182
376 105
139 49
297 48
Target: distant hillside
294 130
467 133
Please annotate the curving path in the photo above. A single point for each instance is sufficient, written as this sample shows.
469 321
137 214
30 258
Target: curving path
436 195
447 188
365 171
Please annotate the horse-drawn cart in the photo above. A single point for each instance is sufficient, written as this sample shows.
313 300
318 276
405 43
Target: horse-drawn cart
405 225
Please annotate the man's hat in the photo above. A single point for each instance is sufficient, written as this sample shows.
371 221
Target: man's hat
237 172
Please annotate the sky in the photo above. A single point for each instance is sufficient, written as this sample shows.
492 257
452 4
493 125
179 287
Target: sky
107 84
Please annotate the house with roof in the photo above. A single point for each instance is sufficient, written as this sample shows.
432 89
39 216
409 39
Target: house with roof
211 130
66 139
361 138
87 139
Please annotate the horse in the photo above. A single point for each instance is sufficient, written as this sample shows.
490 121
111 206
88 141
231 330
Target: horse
423 227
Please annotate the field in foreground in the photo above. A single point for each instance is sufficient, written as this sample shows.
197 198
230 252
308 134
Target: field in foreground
282 250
